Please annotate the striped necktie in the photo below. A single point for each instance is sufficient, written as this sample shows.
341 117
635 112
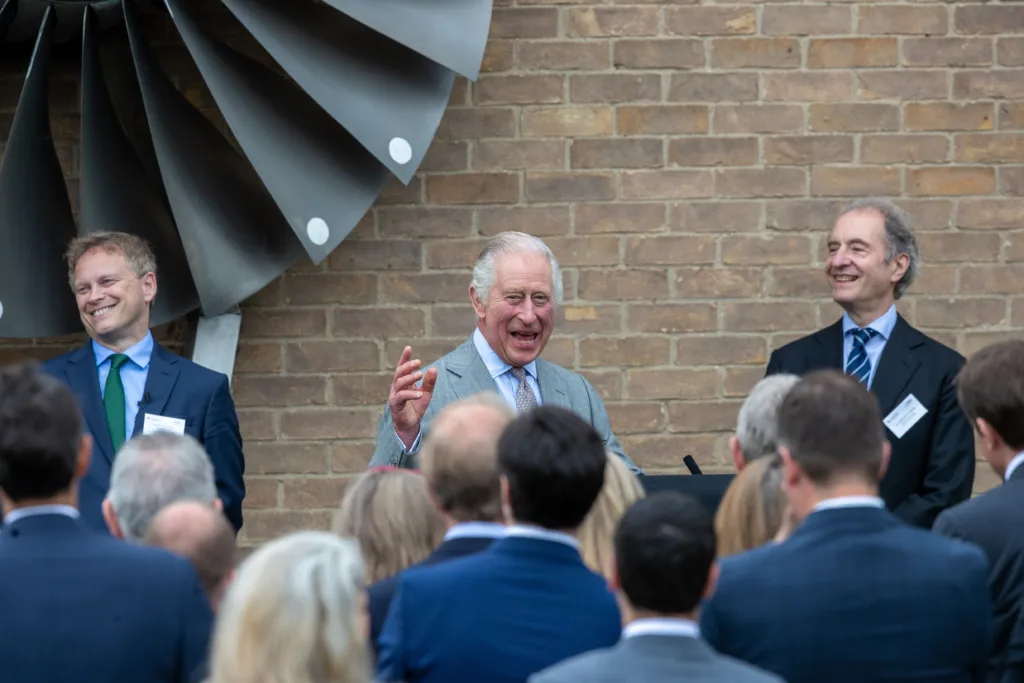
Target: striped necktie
858 364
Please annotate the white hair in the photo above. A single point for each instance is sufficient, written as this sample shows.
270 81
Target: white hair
292 614
757 427
512 243
152 471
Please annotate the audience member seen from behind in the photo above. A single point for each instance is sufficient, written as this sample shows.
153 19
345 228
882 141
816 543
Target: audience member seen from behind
76 604
295 612
754 509
991 393
528 601
664 565
757 425
854 595
203 536
152 471
621 489
391 514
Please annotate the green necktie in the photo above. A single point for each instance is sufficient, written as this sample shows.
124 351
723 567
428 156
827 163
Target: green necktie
113 401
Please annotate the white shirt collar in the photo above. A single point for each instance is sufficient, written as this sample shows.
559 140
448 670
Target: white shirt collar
36 510
883 325
495 365
524 531
475 530
849 502
1014 464
662 626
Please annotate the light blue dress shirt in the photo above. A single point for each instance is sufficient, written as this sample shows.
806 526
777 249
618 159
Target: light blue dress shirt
133 376
883 326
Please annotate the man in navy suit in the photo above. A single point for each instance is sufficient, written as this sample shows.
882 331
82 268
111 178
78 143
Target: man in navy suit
872 260
78 605
855 594
991 392
128 384
528 601
459 459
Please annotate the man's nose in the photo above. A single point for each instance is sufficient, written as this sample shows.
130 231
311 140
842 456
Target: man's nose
527 311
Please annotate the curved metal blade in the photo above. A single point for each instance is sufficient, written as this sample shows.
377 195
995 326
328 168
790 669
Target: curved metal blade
8 12
388 97
234 235
453 33
118 194
36 222
321 178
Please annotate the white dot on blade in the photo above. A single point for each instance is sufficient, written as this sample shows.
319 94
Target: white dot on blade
318 231
1 309
400 150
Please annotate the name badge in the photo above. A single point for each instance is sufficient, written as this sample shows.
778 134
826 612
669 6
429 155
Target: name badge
904 416
161 423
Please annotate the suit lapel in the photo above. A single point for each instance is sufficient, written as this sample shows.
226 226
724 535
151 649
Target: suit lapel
84 380
896 365
160 380
553 390
470 375
828 351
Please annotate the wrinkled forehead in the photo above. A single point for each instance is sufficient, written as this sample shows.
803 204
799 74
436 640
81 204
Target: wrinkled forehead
523 270
864 225
100 261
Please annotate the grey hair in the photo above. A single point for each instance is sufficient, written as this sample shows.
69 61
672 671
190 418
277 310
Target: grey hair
757 427
152 471
898 237
512 243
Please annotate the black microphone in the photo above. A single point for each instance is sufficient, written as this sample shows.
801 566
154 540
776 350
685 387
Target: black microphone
691 464
145 400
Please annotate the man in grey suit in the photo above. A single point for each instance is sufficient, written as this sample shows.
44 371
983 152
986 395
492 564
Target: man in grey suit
664 566
515 291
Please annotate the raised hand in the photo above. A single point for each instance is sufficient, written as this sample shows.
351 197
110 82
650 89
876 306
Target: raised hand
406 401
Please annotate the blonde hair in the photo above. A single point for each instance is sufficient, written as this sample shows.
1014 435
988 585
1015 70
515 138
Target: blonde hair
752 509
137 253
392 515
293 613
597 533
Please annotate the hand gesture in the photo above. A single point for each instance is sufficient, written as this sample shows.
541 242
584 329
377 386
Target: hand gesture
407 402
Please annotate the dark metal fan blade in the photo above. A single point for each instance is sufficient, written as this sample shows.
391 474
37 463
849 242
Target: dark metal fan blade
323 180
36 222
8 11
450 32
118 194
390 98
234 235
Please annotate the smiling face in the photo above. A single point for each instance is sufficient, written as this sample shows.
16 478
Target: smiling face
862 282
112 301
519 313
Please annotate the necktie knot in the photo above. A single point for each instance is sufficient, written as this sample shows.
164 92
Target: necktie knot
864 335
117 360
519 373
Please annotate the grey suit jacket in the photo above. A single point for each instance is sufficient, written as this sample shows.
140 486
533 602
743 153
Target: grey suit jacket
654 659
462 373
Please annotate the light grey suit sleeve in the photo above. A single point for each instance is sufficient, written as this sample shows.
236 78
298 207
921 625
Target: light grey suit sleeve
389 450
603 426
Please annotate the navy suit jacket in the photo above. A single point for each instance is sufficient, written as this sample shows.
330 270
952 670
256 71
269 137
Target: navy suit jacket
499 616
853 596
177 388
932 465
81 606
995 522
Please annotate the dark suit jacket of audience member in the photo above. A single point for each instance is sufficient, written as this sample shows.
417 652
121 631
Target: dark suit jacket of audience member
497 616
853 596
382 592
995 522
80 606
932 465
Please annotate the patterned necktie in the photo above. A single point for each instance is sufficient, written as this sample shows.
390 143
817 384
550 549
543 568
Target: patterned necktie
113 401
859 365
525 399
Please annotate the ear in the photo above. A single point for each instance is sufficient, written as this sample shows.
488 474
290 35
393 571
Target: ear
791 473
990 438
110 517
84 458
478 307
886 454
506 504
737 453
149 287
712 583
902 262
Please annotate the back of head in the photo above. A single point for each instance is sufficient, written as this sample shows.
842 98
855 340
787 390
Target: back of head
757 425
991 387
752 510
832 428
459 457
294 613
664 551
620 490
40 434
154 470
554 463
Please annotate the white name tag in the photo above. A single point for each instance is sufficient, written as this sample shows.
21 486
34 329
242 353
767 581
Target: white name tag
904 416
160 423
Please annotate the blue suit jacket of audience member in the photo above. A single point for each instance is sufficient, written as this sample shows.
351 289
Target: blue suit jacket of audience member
497 616
855 595
177 388
81 606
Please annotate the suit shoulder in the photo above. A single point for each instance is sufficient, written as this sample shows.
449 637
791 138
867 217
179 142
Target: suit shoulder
943 354
931 549
732 669
197 373
985 507
797 347
58 362
588 666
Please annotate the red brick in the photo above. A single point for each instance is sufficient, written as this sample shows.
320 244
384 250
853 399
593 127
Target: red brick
446 156
617 153
332 356
396 193
710 21
512 155
770 53
713 349
840 53
716 217
712 283
948 116
768 182
987 19
473 188
321 288
901 19
768 316
992 148
615 88
667 184
537 220
499 56
260 493
774 250
713 87
633 283
520 22
630 351
672 318
415 288
379 322
517 89
845 181
661 119
712 151
376 255
956 247
574 186
948 181
908 149
567 121
330 423
804 150
256 358
474 124
660 53
563 56
619 217
989 214
636 418
256 425
759 118
960 313
853 117
947 51
586 22
808 86
670 250
262 322
425 222
454 254
806 20
903 84
671 383
703 416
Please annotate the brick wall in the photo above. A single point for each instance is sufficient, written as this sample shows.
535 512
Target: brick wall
684 161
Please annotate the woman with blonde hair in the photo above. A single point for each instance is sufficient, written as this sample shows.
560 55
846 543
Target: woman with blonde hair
295 613
753 510
621 489
392 515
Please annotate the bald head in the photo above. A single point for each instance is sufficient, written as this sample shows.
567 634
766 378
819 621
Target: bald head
200 533
459 457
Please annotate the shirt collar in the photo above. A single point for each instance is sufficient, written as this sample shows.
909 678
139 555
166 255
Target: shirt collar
495 365
140 353
14 515
849 502
662 626
524 531
475 530
1014 464
883 325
